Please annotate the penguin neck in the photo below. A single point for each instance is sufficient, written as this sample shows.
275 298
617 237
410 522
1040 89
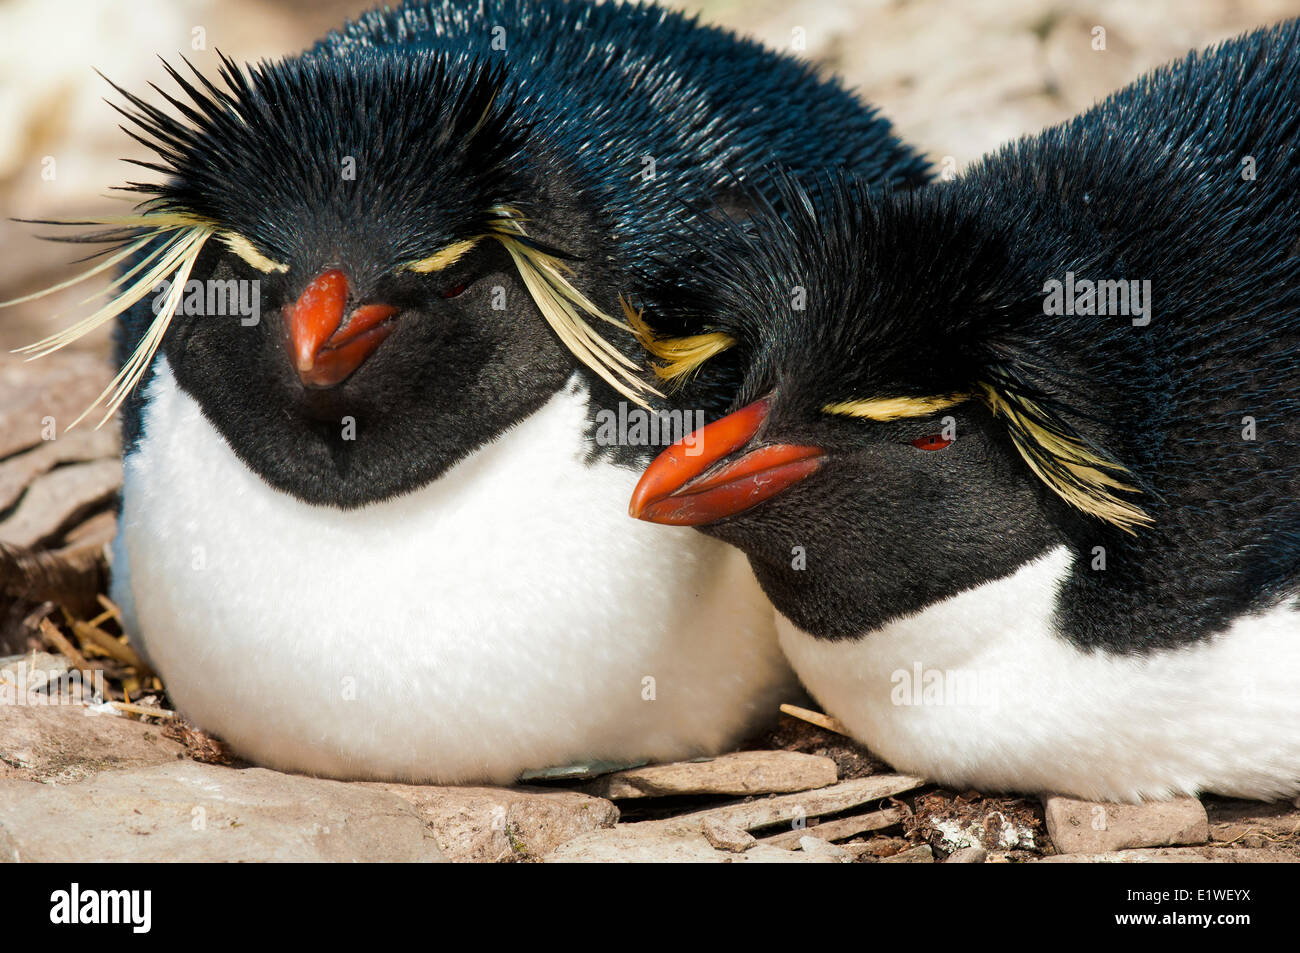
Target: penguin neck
840 601
839 585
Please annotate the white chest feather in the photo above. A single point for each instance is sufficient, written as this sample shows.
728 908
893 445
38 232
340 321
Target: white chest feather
508 616
977 691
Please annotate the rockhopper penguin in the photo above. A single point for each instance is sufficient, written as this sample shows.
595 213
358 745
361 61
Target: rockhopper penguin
1023 479
375 533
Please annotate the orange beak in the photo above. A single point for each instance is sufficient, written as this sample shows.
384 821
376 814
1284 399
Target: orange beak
693 482
324 350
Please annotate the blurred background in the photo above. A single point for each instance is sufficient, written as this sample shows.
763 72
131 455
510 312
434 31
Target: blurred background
957 79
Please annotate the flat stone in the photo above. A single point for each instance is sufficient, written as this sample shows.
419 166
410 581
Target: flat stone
1089 827
493 825
861 853
841 828
1142 856
192 812
725 837
740 773
794 809
58 500
1070 41
1243 855
70 576
652 842
1175 855
817 846
63 744
58 386
79 446
94 532
968 855
916 855
577 772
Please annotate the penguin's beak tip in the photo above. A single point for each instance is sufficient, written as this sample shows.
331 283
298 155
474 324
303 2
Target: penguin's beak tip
715 472
325 344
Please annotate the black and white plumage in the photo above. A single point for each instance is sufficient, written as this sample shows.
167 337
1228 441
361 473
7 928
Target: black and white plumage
1087 522
396 550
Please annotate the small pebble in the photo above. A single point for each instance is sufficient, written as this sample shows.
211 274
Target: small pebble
726 837
917 855
815 845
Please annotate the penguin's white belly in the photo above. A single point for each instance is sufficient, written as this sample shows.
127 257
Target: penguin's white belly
509 616
977 691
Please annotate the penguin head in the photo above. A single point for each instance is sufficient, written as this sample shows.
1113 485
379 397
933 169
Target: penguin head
899 421
415 250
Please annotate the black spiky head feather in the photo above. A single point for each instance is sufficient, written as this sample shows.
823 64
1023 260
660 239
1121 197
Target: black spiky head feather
516 171
393 155
853 304
384 160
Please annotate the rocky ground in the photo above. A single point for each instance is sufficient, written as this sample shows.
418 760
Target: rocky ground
92 783
127 780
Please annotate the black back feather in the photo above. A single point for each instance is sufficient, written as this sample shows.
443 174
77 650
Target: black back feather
932 292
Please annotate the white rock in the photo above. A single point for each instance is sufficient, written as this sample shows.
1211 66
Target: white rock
822 848
742 772
1088 827
197 812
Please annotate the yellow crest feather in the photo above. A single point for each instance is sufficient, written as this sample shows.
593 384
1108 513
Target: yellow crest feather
1077 474
894 408
563 306
242 247
179 239
444 259
681 356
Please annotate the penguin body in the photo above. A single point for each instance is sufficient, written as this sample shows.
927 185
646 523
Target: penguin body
1015 543
980 691
375 534
445 670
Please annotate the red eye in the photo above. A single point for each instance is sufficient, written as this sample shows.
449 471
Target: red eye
932 441
454 291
